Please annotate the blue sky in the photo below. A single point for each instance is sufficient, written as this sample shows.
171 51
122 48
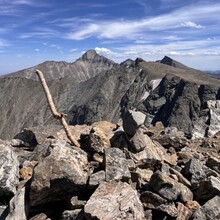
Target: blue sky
33 31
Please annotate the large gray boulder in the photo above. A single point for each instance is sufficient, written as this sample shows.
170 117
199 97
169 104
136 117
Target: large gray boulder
149 157
132 120
169 188
63 170
194 171
116 165
9 170
114 200
209 211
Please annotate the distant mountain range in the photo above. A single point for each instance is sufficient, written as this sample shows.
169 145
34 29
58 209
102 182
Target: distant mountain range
215 74
95 88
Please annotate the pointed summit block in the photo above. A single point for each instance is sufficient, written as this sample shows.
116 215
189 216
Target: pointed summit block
170 62
92 56
89 55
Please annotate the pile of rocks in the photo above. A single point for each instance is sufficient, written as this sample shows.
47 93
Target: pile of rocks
119 172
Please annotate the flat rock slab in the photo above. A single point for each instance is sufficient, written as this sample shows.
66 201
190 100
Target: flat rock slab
114 200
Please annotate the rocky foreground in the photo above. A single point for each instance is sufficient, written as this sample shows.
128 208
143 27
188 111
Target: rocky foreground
123 171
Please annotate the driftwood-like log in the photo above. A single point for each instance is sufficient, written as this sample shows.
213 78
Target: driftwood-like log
56 114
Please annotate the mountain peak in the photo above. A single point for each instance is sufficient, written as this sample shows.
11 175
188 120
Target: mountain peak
167 60
89 55
170 62
92 56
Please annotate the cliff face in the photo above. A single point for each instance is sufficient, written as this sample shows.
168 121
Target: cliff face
182 104
94 88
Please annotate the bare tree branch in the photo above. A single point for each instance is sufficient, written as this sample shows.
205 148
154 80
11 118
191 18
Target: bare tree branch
53 109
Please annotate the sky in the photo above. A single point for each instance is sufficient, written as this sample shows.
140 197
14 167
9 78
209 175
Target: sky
34 31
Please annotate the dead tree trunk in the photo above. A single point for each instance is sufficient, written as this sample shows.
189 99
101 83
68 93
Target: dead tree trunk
55 113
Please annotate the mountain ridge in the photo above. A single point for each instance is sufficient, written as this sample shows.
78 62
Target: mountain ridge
80 70
99 89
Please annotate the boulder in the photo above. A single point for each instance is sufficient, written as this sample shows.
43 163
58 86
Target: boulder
72 214
76 203
169 188
9 171
171 137
132 120
180 177
193 171
116 165
26 138
63 170
99 137
145 174
114 200
139 141
209 211
96 178
207 189
41 216
171 159
214 114
192 205
151 200
183 212
76 131
213 163
148 157
18 207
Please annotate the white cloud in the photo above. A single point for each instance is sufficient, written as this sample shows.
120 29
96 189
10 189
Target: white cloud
191 24
174 53
85 32
36 50
133 29
104 51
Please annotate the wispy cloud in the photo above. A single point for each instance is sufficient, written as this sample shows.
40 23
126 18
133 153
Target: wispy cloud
3 43
24 2
40 33
111 29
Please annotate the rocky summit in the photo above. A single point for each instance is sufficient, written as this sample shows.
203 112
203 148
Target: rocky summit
149 136
118 172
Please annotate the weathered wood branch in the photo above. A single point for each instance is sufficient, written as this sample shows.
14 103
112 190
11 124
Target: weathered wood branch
55 113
